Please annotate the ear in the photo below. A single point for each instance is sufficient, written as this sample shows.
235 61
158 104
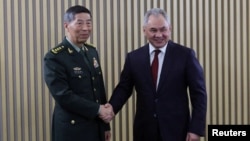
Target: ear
144 30
170 28
65 26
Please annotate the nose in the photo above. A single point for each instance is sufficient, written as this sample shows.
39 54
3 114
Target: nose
85 26
158 34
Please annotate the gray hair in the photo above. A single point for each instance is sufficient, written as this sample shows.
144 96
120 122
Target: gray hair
155 12
72 11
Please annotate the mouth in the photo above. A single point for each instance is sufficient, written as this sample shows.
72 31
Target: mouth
159 40
84 35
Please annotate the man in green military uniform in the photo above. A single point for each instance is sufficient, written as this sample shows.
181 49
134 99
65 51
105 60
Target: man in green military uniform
73 75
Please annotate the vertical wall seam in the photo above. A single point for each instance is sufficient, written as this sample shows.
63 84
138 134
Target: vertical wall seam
223 60
235 61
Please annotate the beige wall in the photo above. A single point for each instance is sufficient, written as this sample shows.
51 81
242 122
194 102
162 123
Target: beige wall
218 30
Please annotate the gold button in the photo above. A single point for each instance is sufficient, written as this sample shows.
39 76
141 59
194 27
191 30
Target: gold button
72 122
93 78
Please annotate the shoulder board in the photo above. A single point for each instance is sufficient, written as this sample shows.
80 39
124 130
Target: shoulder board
90 45
57 49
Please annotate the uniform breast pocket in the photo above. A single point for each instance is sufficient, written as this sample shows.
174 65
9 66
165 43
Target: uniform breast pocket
79 83
78 78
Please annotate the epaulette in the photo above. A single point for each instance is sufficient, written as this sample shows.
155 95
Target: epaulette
88 44
57 49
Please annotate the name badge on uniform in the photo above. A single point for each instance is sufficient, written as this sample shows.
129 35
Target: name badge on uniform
95 63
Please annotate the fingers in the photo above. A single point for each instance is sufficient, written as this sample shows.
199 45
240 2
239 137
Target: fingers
106 112
192 137
108 105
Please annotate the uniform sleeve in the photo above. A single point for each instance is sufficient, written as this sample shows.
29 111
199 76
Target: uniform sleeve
56 79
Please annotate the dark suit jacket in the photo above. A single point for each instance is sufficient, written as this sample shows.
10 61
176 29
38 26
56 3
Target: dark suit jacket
168 108
78 90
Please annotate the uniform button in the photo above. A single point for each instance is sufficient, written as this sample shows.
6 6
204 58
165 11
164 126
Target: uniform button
155 116
94 89
156 100
93 78
72 122
80 76
97 101
100 73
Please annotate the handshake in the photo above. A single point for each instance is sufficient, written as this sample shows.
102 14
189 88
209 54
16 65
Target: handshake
106 112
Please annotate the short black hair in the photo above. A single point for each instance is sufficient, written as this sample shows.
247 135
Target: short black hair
72 11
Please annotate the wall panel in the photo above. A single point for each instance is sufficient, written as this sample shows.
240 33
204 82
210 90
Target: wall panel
217 30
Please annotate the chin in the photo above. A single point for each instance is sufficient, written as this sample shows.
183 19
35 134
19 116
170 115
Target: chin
82 40
158 45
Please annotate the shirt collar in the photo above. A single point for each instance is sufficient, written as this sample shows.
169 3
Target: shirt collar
74 46
152 48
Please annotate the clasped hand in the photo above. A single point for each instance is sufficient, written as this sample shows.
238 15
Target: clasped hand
106 112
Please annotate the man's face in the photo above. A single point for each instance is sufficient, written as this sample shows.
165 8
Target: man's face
79 30
157 31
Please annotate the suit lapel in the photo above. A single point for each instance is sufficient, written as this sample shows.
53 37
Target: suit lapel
147 67
165 66
90 58
93 61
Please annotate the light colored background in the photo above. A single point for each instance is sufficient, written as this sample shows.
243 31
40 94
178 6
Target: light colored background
218 30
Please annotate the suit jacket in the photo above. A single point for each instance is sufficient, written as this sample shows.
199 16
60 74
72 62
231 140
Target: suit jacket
166 109
78 90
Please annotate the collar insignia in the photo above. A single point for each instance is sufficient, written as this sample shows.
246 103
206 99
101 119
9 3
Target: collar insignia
70 51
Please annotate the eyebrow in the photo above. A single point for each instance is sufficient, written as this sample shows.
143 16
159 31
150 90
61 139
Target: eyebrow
158 28
84 20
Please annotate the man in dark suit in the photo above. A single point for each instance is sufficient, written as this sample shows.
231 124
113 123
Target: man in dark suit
162 108
74 77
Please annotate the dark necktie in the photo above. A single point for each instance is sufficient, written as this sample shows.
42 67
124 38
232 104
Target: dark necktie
154 66
83 53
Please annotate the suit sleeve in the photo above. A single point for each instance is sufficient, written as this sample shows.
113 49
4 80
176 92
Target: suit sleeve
124 88
198 95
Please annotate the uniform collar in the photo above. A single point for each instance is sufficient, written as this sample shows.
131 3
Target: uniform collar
74 46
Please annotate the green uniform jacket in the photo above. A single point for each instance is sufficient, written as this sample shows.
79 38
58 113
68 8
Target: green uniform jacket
78 90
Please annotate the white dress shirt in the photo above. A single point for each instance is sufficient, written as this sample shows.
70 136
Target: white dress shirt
160 58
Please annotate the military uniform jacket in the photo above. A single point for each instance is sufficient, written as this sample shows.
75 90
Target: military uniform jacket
78 90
